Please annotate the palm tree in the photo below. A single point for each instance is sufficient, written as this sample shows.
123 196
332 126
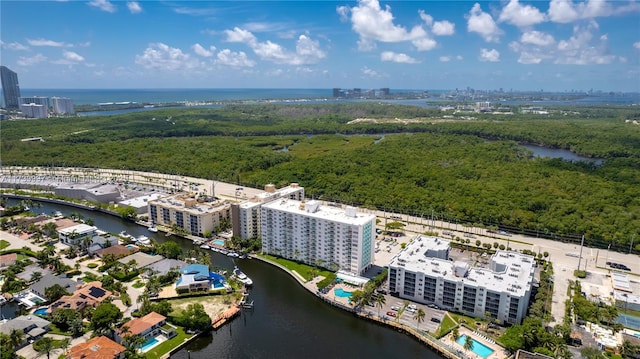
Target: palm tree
65 344
419 316
380 301
16 338
44 346
468 343
455 334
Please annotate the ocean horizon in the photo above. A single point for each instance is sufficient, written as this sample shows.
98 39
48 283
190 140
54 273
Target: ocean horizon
172 95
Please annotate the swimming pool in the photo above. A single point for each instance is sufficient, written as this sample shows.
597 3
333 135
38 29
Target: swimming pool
148 344
339 292
218 242
478 348
41 311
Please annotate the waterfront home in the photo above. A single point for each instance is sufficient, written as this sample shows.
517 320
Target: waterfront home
90 295
33 327
101 242
75 235
193 278
147 327
49 280
141 259
165 266
97 348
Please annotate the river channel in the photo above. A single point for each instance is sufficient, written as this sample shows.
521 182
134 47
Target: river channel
287 321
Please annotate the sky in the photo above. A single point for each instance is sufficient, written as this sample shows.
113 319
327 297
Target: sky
557 45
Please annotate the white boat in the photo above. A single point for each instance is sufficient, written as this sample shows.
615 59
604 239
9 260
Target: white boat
204 246
144 240
242 277
152 229
233 255
125 235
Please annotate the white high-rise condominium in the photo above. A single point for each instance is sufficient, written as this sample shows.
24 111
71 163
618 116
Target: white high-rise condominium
324 236
62 105
501 290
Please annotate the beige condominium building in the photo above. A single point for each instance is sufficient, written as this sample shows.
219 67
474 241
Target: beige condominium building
246 215
187 212
324 236
424 273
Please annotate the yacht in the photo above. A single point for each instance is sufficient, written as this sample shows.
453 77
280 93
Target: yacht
152 229
204 246
143 240
242 277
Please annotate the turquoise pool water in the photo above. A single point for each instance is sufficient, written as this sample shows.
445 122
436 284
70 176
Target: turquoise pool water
41 311
339 292
219 242
478 348
149 344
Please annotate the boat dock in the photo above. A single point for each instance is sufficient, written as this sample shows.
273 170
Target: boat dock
223 318
245 303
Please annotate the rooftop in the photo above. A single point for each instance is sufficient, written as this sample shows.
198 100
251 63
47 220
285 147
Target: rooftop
96 348
348 215
508 271
139 325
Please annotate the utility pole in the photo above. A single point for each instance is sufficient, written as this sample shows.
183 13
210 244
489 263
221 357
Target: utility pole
581 245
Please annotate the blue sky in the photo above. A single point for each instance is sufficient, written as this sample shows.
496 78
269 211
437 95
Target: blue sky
553 45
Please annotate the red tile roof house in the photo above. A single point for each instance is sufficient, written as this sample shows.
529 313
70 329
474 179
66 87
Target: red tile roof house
91 295
97 348
147 327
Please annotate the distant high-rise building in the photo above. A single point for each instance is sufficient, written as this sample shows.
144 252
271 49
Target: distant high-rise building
38 100
10 88
33 110
62 105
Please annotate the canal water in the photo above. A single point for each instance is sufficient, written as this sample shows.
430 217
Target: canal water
286 322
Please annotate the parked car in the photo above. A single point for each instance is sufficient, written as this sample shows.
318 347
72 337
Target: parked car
435 320
395 308
391 314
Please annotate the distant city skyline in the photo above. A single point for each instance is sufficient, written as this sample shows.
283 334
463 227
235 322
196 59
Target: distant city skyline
559 45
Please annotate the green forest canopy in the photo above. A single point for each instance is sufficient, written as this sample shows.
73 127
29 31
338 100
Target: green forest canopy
410 159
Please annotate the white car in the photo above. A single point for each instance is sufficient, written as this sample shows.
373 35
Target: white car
395 308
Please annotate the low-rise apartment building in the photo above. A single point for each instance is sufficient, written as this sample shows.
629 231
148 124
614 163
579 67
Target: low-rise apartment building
329 237
423 273
246 215
187 212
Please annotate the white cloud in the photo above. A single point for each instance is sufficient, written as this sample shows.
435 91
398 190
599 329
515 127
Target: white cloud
428 19
445 58
227 57
16 46
201 51
69 58
537 38
29 61
72 56
566 11
424 44
521 15
482 23
581 49
196 11
390 56
459 58
374 24
489 55
343 11
367 72
443 28
160 56
45 42
307 51
240 35
103 5
636 45
134 7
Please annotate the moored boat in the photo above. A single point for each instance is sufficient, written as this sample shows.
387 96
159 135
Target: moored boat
242 277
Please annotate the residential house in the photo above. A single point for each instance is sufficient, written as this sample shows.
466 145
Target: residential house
193 278
90 295
147 327
32 326
97 348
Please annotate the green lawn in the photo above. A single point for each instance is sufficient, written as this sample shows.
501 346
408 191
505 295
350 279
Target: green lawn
446 325
165 347
468 321
304 270
4 244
